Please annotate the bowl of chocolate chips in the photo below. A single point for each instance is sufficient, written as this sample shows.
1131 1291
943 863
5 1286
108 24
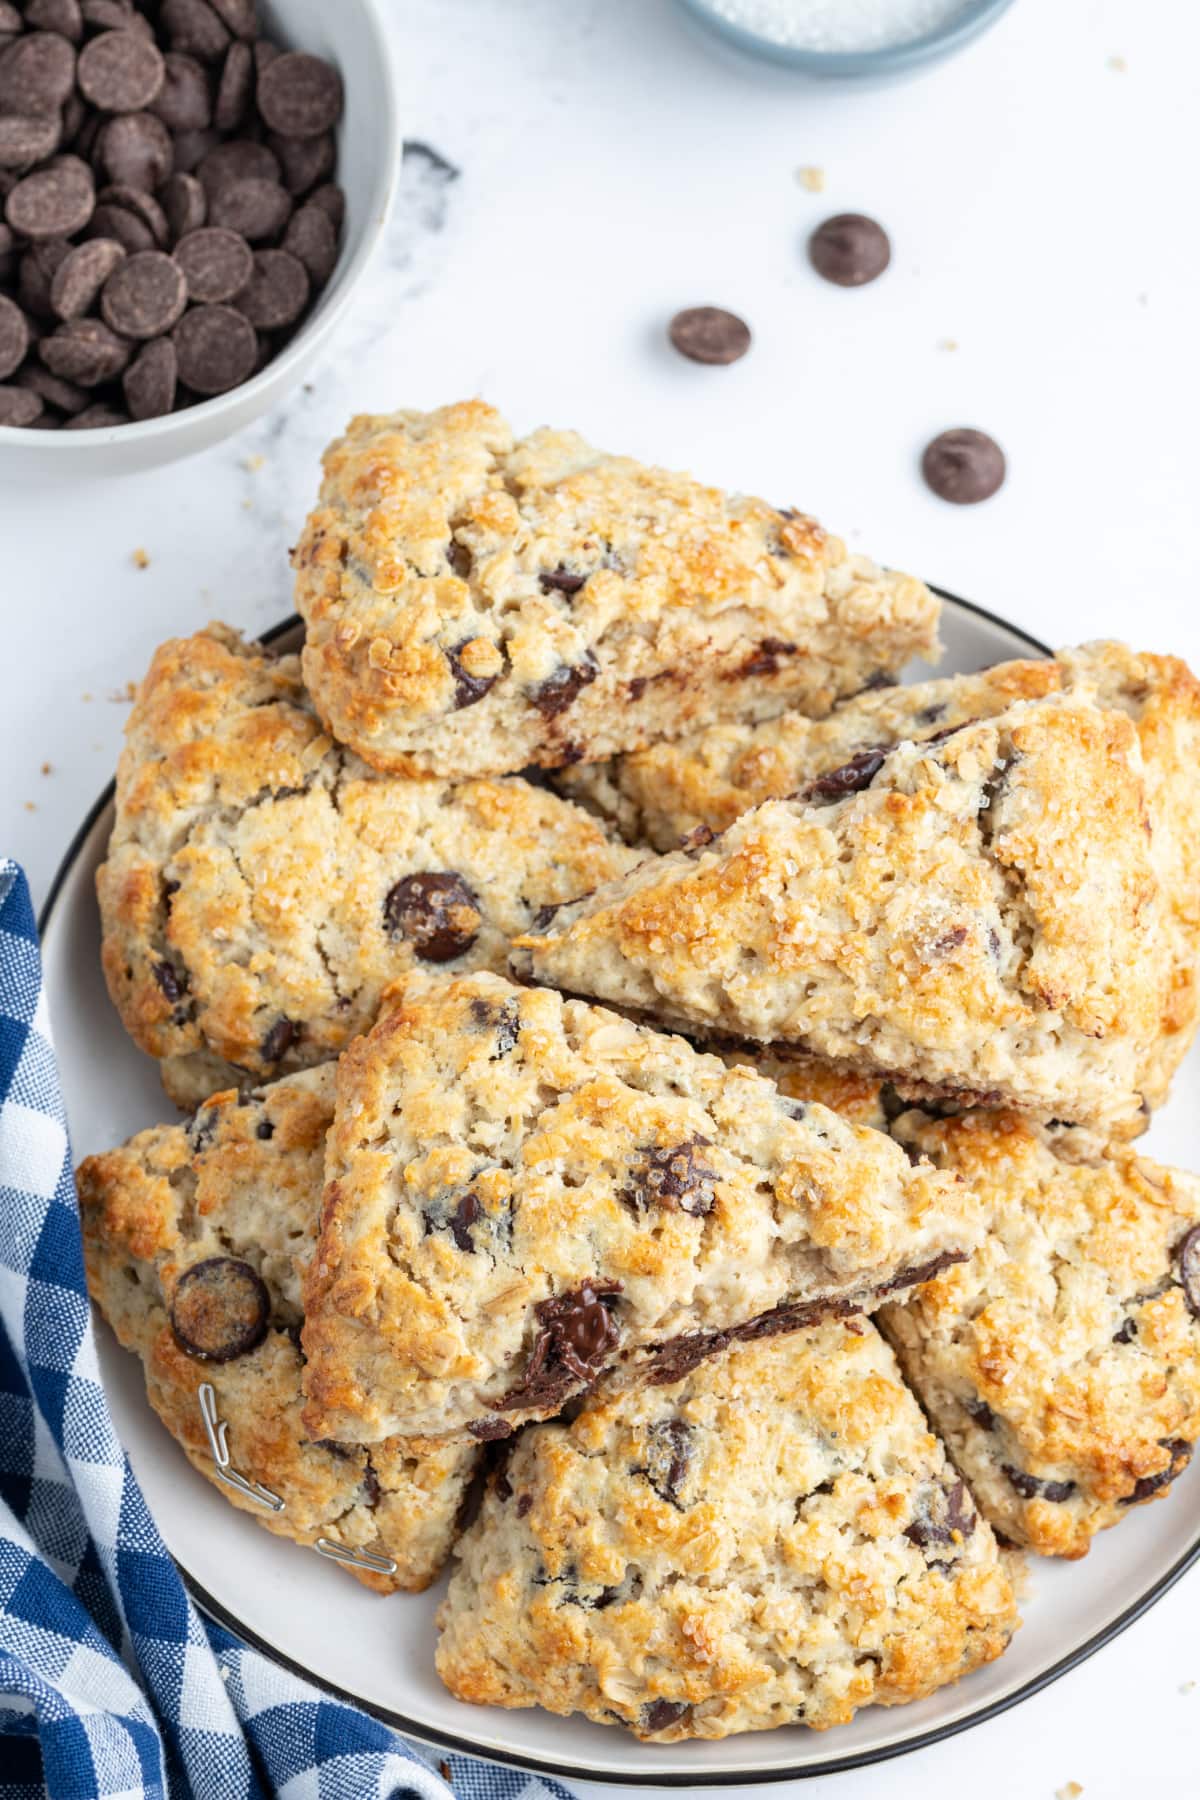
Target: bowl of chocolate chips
190 191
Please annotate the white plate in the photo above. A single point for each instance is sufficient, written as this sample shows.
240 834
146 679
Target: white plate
379 1652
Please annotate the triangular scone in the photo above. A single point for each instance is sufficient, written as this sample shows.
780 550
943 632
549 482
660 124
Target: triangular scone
263 886
524 1190
476 603
776 1539
196 1236
1063 1367
983 917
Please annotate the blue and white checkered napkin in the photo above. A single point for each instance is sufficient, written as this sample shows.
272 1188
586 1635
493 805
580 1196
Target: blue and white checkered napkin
112 1686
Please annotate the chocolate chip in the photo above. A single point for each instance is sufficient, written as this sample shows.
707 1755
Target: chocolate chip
62 16
658 1714
183 102
37 73
765 659
238 16
673 1177
63 394
113 15
488 1430
216 347
332 200
849 250
137 201
678 1356
18 406
1188 1255
560 581
282 1035
1125 1334
981 1412
216 264
265 1130
84 351
524 1505
193 27
14 336
300 95
135 148
172 981
255 207
277 291
149 381
184 206
191 149
963 466
27 138
123 227
234 88
144 296
220 1309
438 913
1030 1487
468 688
52 202
97 418
575 1336
556 693
120 72
239 159
458 1222
1147 1485
669 1452
310 238
916 1274
851 778
81 275
708 334
943 1516
304 161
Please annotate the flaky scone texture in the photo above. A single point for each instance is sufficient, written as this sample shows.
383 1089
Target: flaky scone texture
476 603
776 1539
263 886
523 1190
242 1181
984 916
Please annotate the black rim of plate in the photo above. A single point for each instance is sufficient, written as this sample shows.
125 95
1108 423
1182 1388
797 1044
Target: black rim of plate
445 1740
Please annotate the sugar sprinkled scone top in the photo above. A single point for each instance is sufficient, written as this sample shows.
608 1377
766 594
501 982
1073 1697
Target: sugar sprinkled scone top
986 916
776 1539
196 1238
523 1190
476 603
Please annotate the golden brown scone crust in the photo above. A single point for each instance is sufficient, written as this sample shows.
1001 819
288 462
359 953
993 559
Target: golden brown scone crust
476 603
496 1149
245 897
776 1539
243 1179
987 918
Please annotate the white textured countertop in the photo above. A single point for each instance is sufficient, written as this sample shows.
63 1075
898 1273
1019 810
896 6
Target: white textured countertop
593 166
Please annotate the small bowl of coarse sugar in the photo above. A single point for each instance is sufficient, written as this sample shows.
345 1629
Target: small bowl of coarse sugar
848 38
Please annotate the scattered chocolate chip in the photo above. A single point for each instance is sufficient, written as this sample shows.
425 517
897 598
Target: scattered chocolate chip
708 334
1031 1487
216 264
193 26
1147 1485
254 207
279 1040
37 73
556 693
53 202
234 88
216 347
136 149
14 336
172 981
300 95
304 161
468 688
849 250
1125 1334
183 102
119 71
18 406
84 351
673 1177
851 778
438 913
669 1451
27 138
658 1714
963 466
220 1309
560 581
277 291
1188 1257
144 295
81 275
149 381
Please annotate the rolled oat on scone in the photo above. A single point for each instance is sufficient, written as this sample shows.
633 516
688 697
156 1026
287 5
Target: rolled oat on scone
775 1539
196 1237
524 1190
263 886
476 603
986 917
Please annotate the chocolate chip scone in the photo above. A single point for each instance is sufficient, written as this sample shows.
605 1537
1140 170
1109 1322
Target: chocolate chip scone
477 603
983 917
776 1539
263 886
196 1237
523 1190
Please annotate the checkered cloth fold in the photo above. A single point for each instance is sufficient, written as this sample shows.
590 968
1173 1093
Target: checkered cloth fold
112 1685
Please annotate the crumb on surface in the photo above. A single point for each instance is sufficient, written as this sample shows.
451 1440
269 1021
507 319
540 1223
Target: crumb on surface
1118 64
140 558
1070 1790
123 695
947 343
30 806
811 177
47 768
86 696
254 463
1185 1687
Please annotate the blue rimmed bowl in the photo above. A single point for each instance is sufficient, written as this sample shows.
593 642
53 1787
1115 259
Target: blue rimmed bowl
879 63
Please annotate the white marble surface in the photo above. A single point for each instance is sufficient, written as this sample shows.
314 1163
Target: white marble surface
614 166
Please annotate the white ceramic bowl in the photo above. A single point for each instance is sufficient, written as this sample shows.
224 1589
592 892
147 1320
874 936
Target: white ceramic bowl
351 34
